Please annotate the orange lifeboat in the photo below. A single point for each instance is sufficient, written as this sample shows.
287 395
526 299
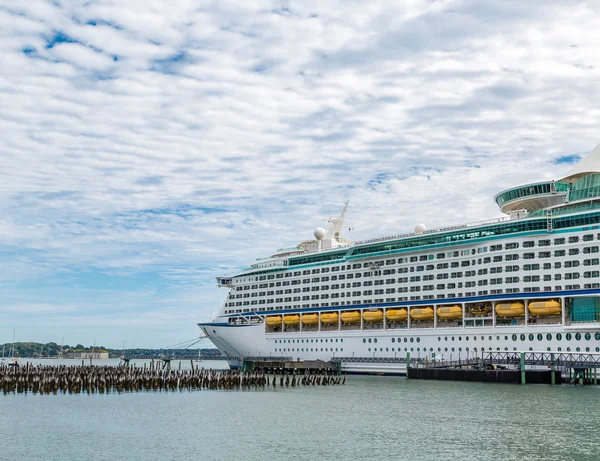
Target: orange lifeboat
396 315
449 312
373 316
545 308
291 320
310 319
274 320
421 313
510 309
329 318
350 317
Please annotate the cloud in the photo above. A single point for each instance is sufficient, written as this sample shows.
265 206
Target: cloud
146 148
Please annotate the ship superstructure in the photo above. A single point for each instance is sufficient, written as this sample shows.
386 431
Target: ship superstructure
526 281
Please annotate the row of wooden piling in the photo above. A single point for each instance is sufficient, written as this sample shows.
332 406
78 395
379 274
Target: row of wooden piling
108 379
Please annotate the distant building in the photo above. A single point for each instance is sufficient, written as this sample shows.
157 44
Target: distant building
85 355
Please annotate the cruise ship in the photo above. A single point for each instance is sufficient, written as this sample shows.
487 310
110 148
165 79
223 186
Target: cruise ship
528 281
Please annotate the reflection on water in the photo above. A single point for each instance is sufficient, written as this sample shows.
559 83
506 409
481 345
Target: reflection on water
368 418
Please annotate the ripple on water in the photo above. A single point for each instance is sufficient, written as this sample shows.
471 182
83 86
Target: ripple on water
368 418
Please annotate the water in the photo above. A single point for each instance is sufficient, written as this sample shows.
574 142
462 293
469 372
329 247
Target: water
368 418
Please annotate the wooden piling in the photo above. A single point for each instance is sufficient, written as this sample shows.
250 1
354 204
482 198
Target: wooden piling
108 379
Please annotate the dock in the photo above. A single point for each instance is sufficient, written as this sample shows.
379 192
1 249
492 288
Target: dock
90 379
275 366
519 367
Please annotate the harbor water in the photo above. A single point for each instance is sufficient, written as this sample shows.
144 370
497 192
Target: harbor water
367 418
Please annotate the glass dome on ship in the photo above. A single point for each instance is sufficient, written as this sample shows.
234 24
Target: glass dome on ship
527 281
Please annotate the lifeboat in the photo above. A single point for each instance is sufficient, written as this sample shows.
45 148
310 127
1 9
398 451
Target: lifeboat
310 319
350 317
545 308
483 309
274 320
510 309
291 320
373 316
396 315
421 313
330 318
449 312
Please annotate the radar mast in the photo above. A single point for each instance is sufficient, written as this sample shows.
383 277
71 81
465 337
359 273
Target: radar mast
336 223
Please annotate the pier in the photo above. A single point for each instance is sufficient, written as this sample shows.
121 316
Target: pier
511 367
109 379
289 366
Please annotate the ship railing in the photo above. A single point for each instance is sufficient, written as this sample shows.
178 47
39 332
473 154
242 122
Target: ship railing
450 363
437 230
376 360
268 359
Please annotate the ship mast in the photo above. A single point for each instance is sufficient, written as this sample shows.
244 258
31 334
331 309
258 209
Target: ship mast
336 222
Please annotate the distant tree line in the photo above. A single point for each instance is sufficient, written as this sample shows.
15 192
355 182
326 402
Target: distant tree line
32 349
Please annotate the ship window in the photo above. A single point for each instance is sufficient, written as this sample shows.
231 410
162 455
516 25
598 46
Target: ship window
569 336
588 336
522 337
578 336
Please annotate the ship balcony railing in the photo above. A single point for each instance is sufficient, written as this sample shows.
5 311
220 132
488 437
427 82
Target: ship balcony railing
329 328
519 322
544 321
419 324
436 230
449 324
373 326
350 327
309 328
273 330
292 329
479 323
581 322
397 326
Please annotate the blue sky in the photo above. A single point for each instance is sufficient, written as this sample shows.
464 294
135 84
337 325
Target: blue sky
149 146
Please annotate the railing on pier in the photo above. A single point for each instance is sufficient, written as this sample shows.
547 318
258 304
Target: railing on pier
376 360
449 363
557 359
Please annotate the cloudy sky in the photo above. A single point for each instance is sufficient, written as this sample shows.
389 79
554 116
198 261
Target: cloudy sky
149 147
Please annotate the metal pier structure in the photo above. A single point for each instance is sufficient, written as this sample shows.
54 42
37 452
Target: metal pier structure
581 367
514 367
